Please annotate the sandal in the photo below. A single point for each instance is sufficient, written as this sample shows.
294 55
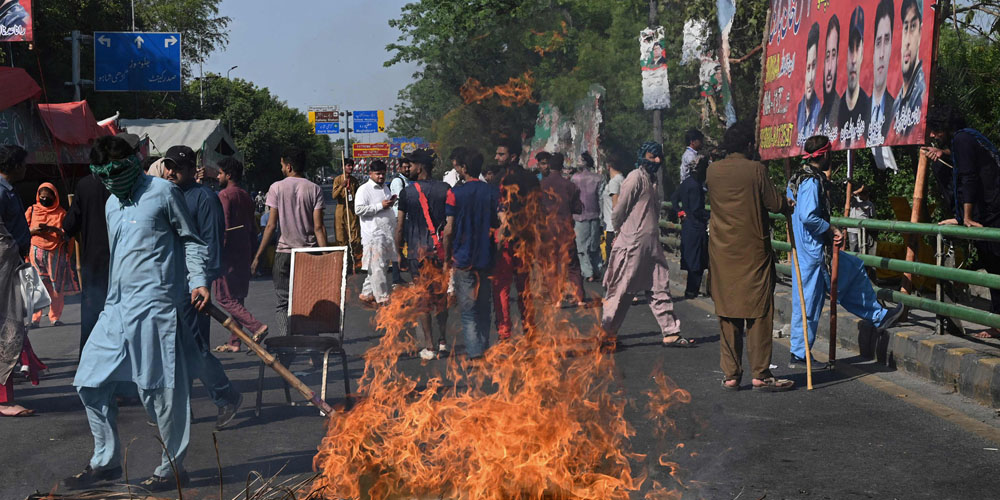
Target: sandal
771 384
728 387
23 412
261 335
227 348
681 342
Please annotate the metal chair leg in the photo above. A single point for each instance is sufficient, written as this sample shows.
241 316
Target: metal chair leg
260 389
347 377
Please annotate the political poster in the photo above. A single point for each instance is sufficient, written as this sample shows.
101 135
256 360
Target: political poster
15 21
653 56
856 72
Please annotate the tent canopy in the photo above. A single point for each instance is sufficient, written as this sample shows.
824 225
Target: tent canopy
17 86
71 122
208 138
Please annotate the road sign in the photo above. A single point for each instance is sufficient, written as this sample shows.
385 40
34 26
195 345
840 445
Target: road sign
370 149
369 122
327 116
327 128
137 62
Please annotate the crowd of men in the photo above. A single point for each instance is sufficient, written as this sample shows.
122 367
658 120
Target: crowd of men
157 246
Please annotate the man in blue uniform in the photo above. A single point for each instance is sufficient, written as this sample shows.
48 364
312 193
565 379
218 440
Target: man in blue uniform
813 238
158 267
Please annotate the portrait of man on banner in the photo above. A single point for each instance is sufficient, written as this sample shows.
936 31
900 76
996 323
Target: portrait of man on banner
15 21
653 56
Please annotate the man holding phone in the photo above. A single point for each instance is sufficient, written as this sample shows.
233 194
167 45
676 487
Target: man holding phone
373 205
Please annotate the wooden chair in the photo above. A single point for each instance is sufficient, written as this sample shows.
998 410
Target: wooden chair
316 297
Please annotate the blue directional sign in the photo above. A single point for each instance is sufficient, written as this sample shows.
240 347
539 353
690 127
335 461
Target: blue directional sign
369 122
137 62
327 127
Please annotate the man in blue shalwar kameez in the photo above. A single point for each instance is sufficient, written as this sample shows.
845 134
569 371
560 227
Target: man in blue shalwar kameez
813 238
210 225
138 337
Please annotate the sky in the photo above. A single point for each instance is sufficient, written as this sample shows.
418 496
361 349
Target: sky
321 52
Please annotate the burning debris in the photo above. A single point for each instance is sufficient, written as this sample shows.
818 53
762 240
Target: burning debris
539 416
516 92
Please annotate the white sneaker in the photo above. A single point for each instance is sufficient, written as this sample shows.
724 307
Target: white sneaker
427 354
442 347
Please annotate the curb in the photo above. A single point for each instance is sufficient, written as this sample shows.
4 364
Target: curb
970 368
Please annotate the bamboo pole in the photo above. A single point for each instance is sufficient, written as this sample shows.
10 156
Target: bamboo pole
798 280
76 250
918 206
267 358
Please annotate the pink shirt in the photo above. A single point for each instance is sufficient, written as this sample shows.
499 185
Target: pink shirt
296 199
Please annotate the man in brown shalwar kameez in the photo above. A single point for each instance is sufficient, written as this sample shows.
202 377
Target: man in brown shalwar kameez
347 229
636 262
741 261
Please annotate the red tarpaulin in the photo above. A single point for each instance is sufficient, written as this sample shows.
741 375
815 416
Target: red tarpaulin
71 122
17 86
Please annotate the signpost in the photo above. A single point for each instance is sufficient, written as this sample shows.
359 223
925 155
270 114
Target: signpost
137 62
369 122
325 119
370 149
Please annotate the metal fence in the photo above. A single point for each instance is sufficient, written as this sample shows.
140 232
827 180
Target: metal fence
937 271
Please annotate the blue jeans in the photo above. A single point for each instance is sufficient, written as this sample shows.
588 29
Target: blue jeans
474 293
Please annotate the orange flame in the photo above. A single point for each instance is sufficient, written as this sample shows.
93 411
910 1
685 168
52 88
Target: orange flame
539 416
552 39
517 91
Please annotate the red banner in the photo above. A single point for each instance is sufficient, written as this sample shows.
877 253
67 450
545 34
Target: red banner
15 21
855 71
371 149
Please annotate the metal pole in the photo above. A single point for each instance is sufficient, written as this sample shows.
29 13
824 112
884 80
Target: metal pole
939 258
75 35
133 15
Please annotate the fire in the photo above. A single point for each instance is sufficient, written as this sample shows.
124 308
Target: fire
517 90
552 40
540 416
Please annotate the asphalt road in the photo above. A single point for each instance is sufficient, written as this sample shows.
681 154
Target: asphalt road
862 433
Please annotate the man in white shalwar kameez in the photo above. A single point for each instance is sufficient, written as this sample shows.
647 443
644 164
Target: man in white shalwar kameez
373 204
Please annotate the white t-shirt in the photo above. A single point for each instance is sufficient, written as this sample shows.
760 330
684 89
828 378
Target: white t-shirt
612 188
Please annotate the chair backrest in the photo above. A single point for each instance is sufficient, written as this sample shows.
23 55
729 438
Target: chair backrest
316 291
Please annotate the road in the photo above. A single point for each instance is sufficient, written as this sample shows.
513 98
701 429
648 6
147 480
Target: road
862 433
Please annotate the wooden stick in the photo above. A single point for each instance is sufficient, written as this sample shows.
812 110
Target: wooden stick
234 228
76 249
798 280
267 358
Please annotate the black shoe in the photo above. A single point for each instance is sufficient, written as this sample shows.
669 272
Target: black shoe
797 362
689 295
226 413
90 477
34 325
58 323
156 483
892 317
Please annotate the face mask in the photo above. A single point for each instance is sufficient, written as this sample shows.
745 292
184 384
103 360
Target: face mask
47 202
119 176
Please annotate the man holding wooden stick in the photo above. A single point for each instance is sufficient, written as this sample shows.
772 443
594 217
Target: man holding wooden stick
815 237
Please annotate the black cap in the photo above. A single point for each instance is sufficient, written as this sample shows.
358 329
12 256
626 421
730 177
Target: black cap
421 156
857 25
182 156
131 139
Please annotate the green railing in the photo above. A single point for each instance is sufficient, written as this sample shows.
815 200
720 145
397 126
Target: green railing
939 272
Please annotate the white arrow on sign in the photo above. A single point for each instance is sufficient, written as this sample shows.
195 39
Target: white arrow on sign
169 41
139 41
103 40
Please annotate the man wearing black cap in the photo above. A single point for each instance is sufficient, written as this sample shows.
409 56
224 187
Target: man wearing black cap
419 224
209 224
855 108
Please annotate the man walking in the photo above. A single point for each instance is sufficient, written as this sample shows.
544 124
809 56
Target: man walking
741 260
296 204
238 241
809 188
158 266
419 225
637 263
471 211
11 209
518 187
588 221
210 225
346 227
374 208
561 200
